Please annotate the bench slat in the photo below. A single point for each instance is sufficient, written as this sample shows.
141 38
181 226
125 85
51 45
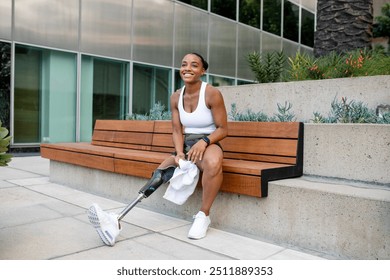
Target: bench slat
248 167
264 129
82 159
264 158
124 125
262 146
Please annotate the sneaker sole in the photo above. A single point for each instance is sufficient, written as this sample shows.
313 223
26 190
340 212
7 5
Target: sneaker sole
94 220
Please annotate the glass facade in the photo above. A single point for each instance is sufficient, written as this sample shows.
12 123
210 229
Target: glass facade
44 96
75 61
151 85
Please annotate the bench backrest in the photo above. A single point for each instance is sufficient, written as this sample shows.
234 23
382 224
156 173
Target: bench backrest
277 142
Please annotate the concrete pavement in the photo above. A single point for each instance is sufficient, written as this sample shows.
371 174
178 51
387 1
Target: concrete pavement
40 220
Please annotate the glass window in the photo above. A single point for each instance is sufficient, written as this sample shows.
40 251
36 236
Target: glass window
220 81
5 83
225 8
291 21
44 96
242 82
197 3
272 11
151 85
104 85
249 12
307 28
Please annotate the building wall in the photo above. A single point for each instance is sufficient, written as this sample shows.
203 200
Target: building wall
139 44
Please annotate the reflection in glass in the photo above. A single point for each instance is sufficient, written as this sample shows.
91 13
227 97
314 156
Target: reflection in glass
151 85
225 8
197 3
291 21
307 28
220 81
44 96
249 12
272 11
104 86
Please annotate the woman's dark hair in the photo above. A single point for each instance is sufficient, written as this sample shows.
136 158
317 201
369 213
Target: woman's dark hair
204 62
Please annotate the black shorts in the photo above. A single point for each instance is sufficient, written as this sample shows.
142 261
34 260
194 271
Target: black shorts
191 139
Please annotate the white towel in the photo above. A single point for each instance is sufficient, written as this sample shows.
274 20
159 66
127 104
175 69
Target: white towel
183 182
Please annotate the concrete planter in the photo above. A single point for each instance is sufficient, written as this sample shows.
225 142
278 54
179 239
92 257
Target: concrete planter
308 97
358 152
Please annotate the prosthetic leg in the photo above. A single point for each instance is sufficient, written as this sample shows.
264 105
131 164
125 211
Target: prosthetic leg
107 224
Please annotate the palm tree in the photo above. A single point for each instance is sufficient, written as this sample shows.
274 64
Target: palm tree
343 25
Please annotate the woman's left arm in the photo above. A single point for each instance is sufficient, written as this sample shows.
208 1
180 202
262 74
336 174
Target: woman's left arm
214 100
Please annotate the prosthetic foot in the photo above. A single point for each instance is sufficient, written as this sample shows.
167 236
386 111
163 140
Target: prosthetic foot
107 224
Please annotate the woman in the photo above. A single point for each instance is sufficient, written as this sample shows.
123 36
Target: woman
199 109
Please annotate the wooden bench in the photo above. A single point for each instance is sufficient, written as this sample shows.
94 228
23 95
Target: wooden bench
254 152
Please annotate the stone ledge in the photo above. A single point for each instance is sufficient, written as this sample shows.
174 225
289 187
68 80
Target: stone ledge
342 220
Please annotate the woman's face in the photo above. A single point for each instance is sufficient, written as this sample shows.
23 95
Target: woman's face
191 68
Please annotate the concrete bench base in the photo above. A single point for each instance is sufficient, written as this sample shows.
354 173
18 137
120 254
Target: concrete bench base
337 219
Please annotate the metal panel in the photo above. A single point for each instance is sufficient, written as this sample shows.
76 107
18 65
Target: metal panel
5 19
310 5
153 31
191 32
106 28
290 48
270 42
51 23
248 42
222 46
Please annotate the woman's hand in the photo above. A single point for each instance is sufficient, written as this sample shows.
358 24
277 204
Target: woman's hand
178 157
196 152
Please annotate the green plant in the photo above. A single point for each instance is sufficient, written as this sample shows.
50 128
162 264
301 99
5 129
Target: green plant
4 143
299 66
351 64
284 114
157 112
345 111
248 115
267 69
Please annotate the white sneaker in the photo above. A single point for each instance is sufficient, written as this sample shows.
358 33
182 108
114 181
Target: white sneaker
106 224
200 226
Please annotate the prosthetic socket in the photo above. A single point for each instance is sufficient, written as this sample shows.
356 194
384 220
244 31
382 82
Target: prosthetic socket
159 177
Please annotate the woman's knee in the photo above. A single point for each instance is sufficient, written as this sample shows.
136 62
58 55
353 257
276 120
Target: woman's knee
212 164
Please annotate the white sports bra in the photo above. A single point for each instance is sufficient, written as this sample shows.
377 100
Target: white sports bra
199 121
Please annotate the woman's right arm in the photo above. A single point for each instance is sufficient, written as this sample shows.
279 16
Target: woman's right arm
177 128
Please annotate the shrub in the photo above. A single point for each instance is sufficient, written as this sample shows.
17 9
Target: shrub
351 64
267 69
283 115
345 111
157 112
4 143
